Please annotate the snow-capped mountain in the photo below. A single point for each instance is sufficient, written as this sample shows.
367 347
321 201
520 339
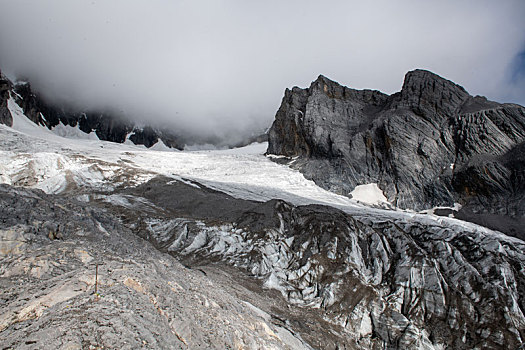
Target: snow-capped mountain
231 249
106 126
109 125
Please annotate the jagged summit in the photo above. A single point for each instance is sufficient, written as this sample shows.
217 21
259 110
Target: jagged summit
425 90
329 86
323 80
431 144
419 76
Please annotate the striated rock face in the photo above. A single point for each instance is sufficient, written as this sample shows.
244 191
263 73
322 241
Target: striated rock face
431 144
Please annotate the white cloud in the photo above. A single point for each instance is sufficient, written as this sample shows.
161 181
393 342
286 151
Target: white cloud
223 65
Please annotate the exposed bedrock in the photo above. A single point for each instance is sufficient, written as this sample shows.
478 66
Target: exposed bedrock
5 115
431 144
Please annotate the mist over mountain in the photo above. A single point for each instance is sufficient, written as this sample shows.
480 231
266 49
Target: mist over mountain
146 202
219 68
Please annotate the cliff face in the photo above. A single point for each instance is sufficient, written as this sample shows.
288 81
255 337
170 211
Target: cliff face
428 145
5 116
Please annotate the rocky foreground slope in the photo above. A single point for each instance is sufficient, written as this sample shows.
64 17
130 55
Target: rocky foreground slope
50 247
257 275
431 144
345 281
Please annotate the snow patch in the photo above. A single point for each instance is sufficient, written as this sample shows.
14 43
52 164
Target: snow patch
276 156
161 146
180 179
253 148
369 194
127 141
365 327
200 147
22 123
73 132
456 207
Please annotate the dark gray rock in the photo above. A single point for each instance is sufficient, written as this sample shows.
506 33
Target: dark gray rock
5 115
147 137
431 144
142 299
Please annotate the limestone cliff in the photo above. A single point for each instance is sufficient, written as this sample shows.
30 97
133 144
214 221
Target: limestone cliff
431 144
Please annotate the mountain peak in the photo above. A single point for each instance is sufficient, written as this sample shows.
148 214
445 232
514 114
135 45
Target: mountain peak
418 76
323 80
425 89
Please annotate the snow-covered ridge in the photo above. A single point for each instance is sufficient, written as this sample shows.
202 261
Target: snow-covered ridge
25 125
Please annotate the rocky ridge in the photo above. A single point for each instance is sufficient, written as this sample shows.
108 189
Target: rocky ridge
5 116
429 145
108 126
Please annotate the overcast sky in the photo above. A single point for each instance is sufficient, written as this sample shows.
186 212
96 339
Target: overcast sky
223 65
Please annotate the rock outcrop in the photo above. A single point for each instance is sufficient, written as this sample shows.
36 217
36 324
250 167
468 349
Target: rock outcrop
72 277
5 116
431 144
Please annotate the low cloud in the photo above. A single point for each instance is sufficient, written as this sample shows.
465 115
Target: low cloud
220 67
